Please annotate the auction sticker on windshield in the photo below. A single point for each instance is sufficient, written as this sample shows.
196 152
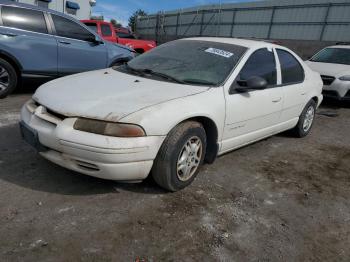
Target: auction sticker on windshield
219 52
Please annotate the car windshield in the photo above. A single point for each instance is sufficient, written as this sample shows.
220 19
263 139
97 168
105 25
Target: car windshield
92 26
189 62
333 56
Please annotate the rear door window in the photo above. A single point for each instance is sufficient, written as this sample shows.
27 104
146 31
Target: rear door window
26 19
67 28
261 63
106 30
292 71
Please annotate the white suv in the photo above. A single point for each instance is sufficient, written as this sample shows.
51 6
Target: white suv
333 63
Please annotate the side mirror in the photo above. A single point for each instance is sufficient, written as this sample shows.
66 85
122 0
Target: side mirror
253 83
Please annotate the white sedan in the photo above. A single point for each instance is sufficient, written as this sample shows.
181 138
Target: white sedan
171 109
333 63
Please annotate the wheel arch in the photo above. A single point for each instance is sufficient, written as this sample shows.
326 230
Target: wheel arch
12 60
212 134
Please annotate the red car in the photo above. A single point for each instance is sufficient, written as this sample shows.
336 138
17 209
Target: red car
120 35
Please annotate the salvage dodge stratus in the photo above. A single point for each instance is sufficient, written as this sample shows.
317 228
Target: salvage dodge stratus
168 111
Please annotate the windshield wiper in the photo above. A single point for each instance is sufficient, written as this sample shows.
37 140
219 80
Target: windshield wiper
146 71
199 82
162 75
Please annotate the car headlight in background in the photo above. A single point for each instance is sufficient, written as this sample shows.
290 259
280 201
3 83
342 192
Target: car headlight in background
108 128
345 78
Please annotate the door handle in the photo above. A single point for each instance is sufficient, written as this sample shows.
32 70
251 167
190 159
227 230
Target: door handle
277 100
64 42
9 34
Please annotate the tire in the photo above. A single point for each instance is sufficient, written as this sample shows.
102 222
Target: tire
306 120
180 157
8 78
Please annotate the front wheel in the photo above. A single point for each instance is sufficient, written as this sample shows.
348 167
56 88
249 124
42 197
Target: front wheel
180 156
306 120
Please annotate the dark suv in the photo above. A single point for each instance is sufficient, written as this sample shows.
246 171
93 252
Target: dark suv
41 43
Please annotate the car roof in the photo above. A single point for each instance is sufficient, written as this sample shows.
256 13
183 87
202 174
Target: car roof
339 46
33 7
255 44
95 21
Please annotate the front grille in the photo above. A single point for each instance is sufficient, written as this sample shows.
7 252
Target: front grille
347 94
327 80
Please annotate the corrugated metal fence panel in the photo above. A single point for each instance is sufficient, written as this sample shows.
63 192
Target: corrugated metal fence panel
295 32
327 20
310 14
339 14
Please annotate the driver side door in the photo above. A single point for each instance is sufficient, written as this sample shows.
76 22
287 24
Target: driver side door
254 114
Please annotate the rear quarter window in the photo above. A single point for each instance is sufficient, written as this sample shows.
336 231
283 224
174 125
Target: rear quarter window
26 19
292 71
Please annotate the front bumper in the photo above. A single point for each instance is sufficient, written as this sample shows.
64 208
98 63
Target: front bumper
123 159
339 90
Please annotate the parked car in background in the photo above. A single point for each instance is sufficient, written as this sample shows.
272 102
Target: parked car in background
333 63
41 43
119 35
169 110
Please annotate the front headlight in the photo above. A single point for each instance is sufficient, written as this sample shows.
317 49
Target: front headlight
345 78
108 128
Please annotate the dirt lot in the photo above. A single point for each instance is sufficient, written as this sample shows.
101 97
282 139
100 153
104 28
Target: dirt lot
282 199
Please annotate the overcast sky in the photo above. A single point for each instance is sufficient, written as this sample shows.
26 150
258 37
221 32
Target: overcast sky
121 10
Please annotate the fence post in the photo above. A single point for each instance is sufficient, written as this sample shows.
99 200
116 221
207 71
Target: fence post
177 24
271 22
157 27
325 21
233 21
202 22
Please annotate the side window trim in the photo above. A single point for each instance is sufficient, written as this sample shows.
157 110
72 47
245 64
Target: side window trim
43 12
278 68
55 32
291 83
1 23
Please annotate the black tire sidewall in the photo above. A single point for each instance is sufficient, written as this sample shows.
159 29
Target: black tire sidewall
12 78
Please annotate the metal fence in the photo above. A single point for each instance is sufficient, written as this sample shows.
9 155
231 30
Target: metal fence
295 20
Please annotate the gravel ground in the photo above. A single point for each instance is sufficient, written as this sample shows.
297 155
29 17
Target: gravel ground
281 199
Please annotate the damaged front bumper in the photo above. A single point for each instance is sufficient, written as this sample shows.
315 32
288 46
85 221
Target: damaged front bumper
114 158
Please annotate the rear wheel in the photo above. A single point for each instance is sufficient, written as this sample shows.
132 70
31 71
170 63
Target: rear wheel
306 120
8 78
180 157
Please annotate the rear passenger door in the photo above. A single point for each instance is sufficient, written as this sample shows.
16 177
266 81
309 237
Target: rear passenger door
77 51
24 34
292 84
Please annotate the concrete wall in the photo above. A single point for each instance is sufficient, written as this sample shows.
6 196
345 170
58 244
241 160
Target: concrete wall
84 12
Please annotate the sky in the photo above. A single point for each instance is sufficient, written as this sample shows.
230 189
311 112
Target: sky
121 10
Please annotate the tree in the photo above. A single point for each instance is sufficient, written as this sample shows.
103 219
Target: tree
115 23
133 17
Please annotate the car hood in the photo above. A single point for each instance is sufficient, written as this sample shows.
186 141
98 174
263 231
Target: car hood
108 94
336 70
